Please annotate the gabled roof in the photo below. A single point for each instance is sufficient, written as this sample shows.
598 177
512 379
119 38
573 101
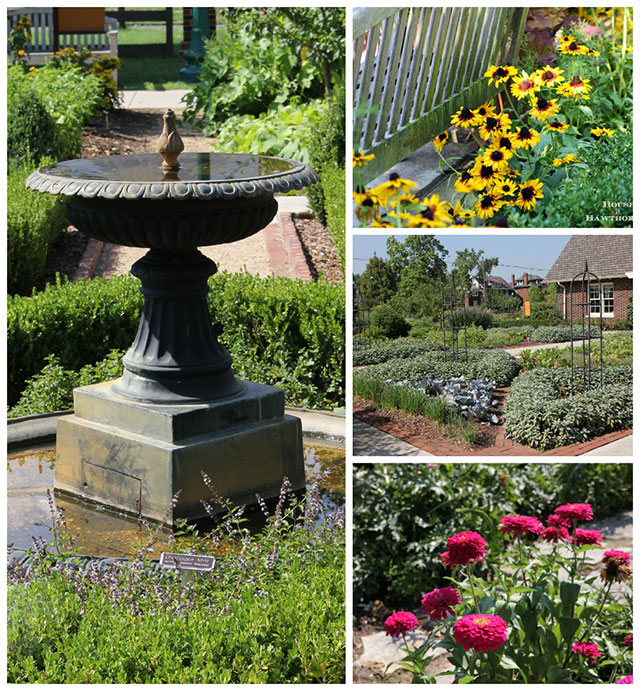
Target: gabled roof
531 277
499 280
608 256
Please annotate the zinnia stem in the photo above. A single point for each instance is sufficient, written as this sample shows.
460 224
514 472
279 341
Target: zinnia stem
595 619
473 592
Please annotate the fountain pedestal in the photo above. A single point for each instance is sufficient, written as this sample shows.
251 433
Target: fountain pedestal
178 411
135 456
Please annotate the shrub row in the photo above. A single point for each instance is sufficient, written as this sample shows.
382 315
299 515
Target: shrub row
282 332
494 365
541 412
369 353
558 334
34 221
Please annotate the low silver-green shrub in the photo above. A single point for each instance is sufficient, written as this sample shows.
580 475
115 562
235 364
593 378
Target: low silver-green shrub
370 353
558 334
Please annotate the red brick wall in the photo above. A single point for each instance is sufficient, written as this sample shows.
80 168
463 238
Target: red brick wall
187 21
622 291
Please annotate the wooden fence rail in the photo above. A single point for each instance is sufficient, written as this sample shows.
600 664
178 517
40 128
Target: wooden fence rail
414 67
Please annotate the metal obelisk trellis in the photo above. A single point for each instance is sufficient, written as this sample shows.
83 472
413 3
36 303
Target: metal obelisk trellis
450 326
586 370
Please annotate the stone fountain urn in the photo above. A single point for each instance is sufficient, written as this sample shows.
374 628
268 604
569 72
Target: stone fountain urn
178 410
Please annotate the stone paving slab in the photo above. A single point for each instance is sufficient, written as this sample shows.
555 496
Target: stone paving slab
143 99
369 441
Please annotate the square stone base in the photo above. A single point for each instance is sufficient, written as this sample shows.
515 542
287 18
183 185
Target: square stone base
134 457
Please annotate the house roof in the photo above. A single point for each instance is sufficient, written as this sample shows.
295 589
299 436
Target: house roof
608 256
501 281
531 277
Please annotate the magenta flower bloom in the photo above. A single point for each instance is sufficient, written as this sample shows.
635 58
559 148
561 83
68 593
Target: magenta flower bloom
586 649
575 512
587 537
521 525
480 632
628 641
439 603
463 548
617 555
400 623
555 533
556 520
626 680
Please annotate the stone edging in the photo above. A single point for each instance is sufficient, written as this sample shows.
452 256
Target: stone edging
89 261
294 246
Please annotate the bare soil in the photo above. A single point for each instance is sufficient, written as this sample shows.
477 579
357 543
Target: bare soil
319 249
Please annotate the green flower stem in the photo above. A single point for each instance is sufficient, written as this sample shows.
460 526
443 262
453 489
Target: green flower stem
447 162
475 136
521 560
466 153
473 592
595 619
513 108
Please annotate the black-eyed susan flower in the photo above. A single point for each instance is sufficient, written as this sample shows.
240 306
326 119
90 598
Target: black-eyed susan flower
458 211
524 85
466 214
570 46
484 111
557 126
464 118
378 223
494 125
406 199
394 185
578 85
549 76
488 204
434 214
497 158
441 140
525 138
528 193
501 73
599 132
504 140
569 158
505 188
593 53
403 216
544 109
361 159
484 176
464 183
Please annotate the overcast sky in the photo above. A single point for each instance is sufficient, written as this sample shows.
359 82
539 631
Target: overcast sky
519 253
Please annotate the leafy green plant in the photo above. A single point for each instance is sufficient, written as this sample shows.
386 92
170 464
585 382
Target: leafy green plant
367 353
34 221
558 334
19 37
279 331
282 130
542 412
271 611
478 316
333 186
389 321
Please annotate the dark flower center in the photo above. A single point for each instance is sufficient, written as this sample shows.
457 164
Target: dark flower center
367 202
497 156
506 188
505 143
492 123
466 114
442 137
427 213
526 84
542 103
556 123
359 189
527 193
466 175
548 75
576 81
501 72
525 133
450 210
482 111
486 202
486 172
573 46
394 176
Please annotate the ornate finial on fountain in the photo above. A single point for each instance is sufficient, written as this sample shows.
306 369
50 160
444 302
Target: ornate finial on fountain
169 143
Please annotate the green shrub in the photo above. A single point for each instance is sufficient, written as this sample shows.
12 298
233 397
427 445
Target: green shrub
478 316
335 204
279 331
34 221
558 334
541 412
509 336
392 325
31 131
282 130
403 514
372 353
494 365
527 322
327 149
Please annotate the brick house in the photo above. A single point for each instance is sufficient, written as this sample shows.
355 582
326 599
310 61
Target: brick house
526 281
491 283
610 258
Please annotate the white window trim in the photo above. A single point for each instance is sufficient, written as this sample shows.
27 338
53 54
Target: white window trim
605 314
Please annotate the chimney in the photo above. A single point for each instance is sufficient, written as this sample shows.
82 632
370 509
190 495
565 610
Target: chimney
526 278
513 279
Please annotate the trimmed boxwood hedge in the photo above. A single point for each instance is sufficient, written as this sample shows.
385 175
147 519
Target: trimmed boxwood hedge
541 412
559 334
495 365
373 353
283 332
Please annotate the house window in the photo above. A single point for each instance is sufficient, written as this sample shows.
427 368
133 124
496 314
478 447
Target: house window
607 300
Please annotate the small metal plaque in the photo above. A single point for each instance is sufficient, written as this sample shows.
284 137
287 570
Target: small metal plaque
191 562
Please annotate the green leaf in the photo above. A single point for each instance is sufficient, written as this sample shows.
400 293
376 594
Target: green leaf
568 627
557 675
569 594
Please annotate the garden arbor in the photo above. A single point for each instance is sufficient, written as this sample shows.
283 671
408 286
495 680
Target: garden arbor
416 66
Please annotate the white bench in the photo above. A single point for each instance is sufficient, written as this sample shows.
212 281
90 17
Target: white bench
41 45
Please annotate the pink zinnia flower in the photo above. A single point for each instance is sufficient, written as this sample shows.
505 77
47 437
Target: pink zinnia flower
480 632
591 30
553 534
439 603
628 641
521 525
626 680
586 649
399 623
587 537
575 512
554 519
617 555
463 548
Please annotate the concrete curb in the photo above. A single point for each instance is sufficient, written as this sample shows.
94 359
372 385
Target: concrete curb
34 430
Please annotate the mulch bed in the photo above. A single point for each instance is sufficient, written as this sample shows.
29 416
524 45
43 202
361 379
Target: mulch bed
319 250
128 132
